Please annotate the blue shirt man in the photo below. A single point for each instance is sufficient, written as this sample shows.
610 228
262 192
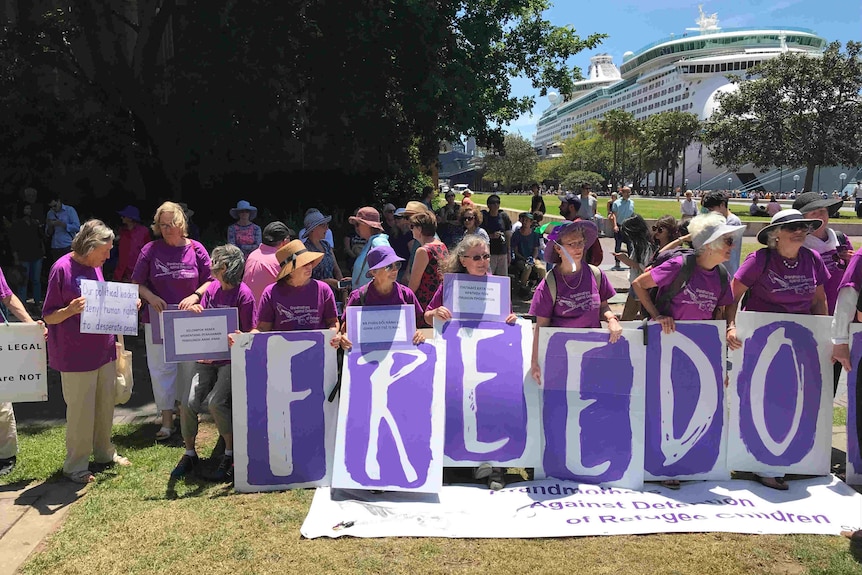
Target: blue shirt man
621 210
61 225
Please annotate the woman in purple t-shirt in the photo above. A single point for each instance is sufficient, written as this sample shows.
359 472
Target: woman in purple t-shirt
214 377
784 277
579 300
383 267
296 301
703 296
172 270
85 360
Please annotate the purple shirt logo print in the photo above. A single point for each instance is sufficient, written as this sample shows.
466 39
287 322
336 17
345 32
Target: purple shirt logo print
684 400
389 417
486 412
587 396
286 426
779 389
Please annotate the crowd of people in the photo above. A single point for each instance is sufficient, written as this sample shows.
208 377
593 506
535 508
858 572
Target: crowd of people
687 269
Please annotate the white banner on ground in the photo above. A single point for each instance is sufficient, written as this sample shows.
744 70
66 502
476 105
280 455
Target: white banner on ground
23 363
555 508
780 395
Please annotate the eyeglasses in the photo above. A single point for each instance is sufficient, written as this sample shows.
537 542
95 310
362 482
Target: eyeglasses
478 258
728 241
657 229
796 226
395 266
578 245
468 218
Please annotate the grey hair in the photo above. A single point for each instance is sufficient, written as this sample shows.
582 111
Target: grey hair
93 234
228 260
772 238
452 264
705 225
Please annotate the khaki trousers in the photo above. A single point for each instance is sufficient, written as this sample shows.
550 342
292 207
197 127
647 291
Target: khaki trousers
8 432
89 397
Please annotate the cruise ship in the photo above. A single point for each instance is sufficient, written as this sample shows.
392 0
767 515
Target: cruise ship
684 73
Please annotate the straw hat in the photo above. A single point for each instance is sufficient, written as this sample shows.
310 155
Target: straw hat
295 255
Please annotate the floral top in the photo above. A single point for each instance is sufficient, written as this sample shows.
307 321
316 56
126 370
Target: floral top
326 268
432 276
247 238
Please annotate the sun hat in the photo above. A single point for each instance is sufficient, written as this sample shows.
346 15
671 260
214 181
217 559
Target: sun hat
380 257
295 255
466 193
401 213
785 217
130 212
243 205
314 218
588 228
414 207
810 201
276 232
710 233
367 215
571 198
527 215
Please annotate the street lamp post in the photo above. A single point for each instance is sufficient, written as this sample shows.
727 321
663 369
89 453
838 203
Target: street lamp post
842 176
729 180
795 182
685 182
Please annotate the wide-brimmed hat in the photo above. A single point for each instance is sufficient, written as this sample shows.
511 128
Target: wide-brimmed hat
810 201
711 233
380 257
314 218
466 193
294 255
415 207
367 215
130 212
588 228
785 217
243 206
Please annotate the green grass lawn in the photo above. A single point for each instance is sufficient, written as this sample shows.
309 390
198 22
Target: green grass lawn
134 520
649 208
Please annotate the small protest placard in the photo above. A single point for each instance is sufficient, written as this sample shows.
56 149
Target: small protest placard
384 326
156 322
111 307
477 297
23 362
190 336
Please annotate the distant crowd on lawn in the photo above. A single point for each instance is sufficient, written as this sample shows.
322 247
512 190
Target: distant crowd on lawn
679 268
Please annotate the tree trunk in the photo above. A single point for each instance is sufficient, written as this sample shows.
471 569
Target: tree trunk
809 177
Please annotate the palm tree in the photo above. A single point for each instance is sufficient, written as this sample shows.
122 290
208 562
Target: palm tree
619 126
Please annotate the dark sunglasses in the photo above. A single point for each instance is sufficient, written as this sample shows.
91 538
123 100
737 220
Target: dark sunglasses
658 229
796 226
729 241
479 258
468 218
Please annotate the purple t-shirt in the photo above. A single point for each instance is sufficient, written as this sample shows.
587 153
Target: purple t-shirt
700 296
777 288
4 287
69 350
171 272
853 274
400 295
290 308
239 297
578 301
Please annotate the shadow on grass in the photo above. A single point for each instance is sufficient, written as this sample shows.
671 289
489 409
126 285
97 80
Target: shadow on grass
137 437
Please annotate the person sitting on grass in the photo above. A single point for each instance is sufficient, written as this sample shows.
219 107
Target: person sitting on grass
214 377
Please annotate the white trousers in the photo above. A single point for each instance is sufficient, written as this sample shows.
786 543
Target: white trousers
171 381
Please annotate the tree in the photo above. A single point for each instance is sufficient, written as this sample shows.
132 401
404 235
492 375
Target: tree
515 165
619 126
666 136
793 110
365 90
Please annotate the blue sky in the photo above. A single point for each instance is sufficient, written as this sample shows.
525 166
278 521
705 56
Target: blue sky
632 24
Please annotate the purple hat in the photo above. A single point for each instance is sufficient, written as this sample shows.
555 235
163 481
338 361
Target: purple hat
243 206
588 228
130 212
380 257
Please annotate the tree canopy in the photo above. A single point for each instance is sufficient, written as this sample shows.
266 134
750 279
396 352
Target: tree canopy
793 110
515 165
190 91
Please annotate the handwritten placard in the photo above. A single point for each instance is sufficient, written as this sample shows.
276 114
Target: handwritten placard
111 307
23 362
190 336
477 297
389 326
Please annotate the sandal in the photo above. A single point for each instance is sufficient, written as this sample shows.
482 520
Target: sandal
83 477
773 482
164 433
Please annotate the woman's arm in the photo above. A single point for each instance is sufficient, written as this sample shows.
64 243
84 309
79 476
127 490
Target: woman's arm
148 296
818 306
74 307
17 308
535 370
195 297
614 326
845 310
420 260
739 290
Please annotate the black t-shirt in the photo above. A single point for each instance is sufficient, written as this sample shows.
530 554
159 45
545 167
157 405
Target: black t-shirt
494 224
537 204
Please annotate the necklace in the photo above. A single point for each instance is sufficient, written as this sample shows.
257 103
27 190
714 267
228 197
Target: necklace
577 285
790 265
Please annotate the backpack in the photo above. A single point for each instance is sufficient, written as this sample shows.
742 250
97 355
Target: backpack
681 280
551 281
